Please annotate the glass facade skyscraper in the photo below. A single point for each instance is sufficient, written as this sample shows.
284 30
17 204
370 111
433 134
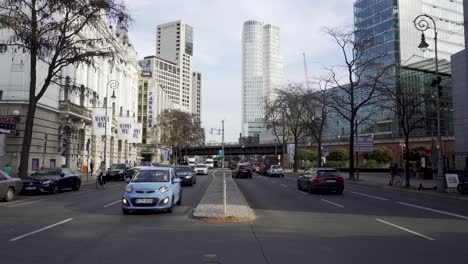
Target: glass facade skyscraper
262 73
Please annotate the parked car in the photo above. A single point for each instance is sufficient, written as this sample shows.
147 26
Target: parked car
322 179
146 164
52 180
186 175
462 186
243 170
153 189
9 187
119 171
275 171
201 169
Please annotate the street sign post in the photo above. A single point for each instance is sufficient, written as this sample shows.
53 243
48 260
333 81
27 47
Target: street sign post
325 151
364 144
220 153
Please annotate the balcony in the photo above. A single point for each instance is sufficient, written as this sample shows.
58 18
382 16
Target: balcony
74 111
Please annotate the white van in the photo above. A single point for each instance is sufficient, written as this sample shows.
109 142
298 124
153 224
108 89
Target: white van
192 162
209 163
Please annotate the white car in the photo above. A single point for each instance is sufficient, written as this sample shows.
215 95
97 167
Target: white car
275 171
209 163
201 169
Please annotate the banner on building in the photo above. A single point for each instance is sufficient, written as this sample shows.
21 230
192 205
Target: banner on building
150 109
7 125
125 128
101 123
137 133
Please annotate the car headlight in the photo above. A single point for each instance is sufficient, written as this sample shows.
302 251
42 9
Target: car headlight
46 182
188 177
164 189
128 188
120 172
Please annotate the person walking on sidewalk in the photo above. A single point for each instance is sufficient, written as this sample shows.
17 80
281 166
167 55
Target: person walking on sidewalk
91 168
393 172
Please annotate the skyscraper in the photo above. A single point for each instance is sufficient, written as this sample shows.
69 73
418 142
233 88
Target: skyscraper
174 44
262 73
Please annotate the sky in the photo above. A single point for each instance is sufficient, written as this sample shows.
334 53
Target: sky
218 44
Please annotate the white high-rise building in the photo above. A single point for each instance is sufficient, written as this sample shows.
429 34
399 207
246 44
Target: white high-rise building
262 73
174 44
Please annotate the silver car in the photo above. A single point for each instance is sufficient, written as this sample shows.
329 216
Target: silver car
9 187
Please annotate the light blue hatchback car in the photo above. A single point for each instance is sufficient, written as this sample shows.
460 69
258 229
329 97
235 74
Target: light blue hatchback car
153 189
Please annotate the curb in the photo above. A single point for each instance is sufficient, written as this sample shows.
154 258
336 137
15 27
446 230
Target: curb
380 186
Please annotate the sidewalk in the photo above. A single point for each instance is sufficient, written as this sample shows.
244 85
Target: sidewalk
384 179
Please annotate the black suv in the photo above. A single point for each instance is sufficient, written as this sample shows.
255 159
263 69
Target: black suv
242 170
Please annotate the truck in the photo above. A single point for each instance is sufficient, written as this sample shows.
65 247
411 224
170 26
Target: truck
192 162
209 163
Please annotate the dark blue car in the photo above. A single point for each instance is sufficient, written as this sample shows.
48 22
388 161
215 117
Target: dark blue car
52 181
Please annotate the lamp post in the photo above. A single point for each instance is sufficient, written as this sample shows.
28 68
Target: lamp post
113 84
423 23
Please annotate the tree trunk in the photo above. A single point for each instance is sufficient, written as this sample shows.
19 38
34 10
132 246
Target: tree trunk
27 138
351 150
407 162
296 154
319 153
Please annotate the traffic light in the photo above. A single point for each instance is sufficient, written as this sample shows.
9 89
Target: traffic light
436 83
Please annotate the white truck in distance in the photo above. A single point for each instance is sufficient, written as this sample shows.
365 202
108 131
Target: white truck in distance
209 163
192 162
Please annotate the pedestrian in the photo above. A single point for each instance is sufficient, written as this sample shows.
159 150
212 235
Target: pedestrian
102 169
392 173
7 169
91 168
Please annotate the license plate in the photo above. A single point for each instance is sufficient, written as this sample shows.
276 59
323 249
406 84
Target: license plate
330 181
144 201
30 188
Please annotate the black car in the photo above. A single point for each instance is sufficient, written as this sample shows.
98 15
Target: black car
52 181
119 171
242 171
462 183
186 175
323 179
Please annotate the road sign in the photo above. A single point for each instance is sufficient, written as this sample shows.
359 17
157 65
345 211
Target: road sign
364 144
325 151
220 153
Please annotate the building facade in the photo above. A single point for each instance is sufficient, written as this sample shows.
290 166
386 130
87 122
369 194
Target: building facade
174 44
196 94
262 73
64 131
388 24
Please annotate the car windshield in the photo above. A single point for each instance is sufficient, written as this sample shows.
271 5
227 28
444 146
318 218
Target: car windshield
183 169
209 162
145 163
47 173
200 166
152 176
328 174
276 167
118 166
155 164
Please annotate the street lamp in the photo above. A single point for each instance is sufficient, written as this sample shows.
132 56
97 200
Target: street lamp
113 84
423 23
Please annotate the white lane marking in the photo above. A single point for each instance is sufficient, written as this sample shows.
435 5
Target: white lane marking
17 201
335 204
300 192
405 229
371 196
285 186
116 202
289 178
434 210
40 230
15 205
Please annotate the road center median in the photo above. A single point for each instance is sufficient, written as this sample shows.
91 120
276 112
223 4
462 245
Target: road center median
211 207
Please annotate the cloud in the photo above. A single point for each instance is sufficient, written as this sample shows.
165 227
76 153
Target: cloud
218 49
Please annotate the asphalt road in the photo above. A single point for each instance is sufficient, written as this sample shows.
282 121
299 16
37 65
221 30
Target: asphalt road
365 225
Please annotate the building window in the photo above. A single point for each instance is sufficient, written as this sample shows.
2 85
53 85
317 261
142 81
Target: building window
1 95
35 164
52 163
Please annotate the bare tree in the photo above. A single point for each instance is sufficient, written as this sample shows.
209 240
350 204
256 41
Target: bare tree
276 121
356 83
52 32
315 115
408 105
179 130
289 100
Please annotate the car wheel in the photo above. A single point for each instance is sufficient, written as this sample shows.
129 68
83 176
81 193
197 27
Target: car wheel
125 211
77 186
170 209
180 199
299 186
54 189
10 195
282 175
309 189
